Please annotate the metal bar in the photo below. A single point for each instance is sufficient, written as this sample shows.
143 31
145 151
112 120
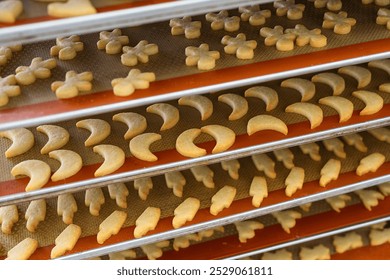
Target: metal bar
41 31
224 221
310 238
176 95
186 164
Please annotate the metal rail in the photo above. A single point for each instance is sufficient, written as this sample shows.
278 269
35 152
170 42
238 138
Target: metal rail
224 221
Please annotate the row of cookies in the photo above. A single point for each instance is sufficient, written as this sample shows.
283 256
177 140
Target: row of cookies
251 229
186 210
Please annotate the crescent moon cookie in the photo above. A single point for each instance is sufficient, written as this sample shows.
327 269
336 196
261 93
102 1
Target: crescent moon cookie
71 164
266 122
383 64
258 190
99 129
119 192
289 8
246 229
185 25
266 164
10 10
66 241
239 46
175 181
71 8
111 226
38 171
139 146
66 207
139 53
340 23
8 88
374 102
74 84
134 80
224 137
330 171
185 212
311 111
200 103
94 199
238 104
147 221
114 158
370 163
201 56
66 48
360 74
112 42
306 88
276 37
268 95
254 15
136 123
38 69
185 143
170 114
57 137
23 250
222 199
341 105
8 217
22 141
223 21
335 81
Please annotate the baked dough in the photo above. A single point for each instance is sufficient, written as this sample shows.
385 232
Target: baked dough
8 88
377 2
350 241
282 254
72 8
94 199
71 164
289 8
287 219
330 171
267 94
360 74
201 56
185 143
10 10
238 104
246 229
139 146
199 102
210 232
254 15
335 81
341 105
231 166
111 226
336 146
381 133
294 180
306 88
175 181
22 141
23 250
319 252
119 192
35 213
356 141
338 202
266 122
38 171
136 123
100 130
66 48
223 21
38 69
340 23
74 84
223 136
239 46
8 217
183 242
153 251
370 163
266 164
57 137
286 157
185 25
383 17
112 42
311 149
383 64
114 158
276 37
122 255
134 80
204 174
379 237
139 53
170 114
222 199
258 190
66 207
185 212
147 221
143 186
66 240
374 102
304 36
332 5
370 198
311 111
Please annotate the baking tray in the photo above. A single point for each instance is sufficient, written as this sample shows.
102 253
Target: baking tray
170 159
241 208
174 79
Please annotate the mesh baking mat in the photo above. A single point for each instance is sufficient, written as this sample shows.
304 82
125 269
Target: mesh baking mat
327 242
170 61
190 118
163 198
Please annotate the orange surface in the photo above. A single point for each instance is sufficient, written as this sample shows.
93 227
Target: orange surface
100 10
197 80
269 236
170 156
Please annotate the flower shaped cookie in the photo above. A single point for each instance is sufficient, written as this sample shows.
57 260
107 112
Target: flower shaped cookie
306 36
140 52
67 48
276 36
73 84
112 42
289 8
254 15
134 80
201 56
339 22
8 88
239 46
223 21
185 25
